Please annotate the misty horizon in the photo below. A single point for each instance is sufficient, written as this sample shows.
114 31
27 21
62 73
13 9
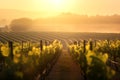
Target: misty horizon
66 22
64 15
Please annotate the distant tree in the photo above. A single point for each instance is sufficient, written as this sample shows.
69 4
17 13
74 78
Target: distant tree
22 24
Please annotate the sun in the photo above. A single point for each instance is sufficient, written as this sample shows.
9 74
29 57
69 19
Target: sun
53 7
48 5
56 2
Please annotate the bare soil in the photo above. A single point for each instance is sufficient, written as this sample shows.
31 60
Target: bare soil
65 69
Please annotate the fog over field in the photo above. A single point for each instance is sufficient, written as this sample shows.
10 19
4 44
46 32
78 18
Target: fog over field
64 22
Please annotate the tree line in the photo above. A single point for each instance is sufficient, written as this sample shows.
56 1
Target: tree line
24 24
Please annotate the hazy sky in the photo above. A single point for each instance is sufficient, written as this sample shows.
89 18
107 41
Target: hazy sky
48 8
90 7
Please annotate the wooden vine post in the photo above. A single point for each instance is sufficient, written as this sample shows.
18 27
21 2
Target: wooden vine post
29 45
78 43
108 41
95 43
11 49
2 60
22 45
84 46
91 45
41 47
0 48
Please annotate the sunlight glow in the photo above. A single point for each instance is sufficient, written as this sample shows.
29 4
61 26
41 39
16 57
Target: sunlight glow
56 2
54 5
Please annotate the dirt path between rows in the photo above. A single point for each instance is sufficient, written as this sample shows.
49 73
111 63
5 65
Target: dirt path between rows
65 69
